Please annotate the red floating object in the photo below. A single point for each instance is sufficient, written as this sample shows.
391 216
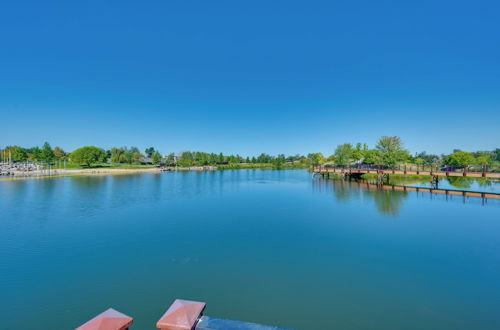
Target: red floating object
108 320
181 315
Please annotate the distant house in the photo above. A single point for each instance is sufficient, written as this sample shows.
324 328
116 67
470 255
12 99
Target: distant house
149 161
171 161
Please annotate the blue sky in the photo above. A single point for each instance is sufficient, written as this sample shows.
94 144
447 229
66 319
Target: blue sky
250 76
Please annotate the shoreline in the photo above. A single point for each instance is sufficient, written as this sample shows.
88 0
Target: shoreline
77 172
57 173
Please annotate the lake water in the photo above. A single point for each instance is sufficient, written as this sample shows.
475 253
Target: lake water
273 247
465 184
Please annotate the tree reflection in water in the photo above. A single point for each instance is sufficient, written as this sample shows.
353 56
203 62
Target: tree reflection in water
388 202
389 199
461 182
345 191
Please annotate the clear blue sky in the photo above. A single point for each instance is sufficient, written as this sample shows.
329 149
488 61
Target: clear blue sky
250 76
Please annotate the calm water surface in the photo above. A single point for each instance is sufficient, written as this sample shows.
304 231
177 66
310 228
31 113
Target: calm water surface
464 183
273 247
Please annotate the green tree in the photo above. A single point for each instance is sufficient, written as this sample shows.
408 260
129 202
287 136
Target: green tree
358 153
316 158
149 151
459 158
220 159
484 160
391 150
429 159
137 157
134 155
17 153
372 157
279 160
344 154
59 153
156 158
127 157
118 155
88 155
186 159
419 161
47 154
35 154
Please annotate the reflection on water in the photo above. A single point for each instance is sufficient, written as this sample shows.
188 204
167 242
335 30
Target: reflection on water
461 182
487 185
478 184
456 182
388 202
389 199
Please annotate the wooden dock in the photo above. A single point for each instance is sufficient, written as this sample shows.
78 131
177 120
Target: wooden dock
447 192
355 170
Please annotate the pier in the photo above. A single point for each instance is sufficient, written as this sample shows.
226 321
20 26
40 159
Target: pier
406 170
437 191
383 174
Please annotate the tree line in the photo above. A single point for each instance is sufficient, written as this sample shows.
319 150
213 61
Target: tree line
85 155
389 151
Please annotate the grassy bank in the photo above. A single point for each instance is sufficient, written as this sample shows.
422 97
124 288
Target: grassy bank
398 179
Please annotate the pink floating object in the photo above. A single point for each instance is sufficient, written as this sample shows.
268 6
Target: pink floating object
108 320
181 315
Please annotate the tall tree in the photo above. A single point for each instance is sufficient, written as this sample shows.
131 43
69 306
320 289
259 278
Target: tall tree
17 153
137 157
484 160
344 154
117 155
391 150
88 155
149 151
35 154
372 157
220 159
59 153
459 158
47 154
316 158
358 153
156 158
